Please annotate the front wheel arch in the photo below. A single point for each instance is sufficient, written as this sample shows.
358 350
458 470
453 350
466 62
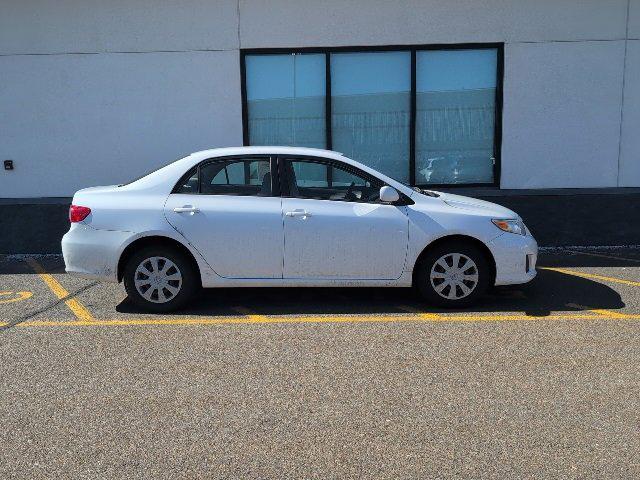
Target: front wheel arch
491 261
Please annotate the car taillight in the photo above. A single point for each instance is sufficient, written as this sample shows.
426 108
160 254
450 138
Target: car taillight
78 213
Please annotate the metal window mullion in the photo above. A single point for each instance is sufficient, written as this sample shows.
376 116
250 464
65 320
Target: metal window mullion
244 99
412 121
327 102
497 117
247 172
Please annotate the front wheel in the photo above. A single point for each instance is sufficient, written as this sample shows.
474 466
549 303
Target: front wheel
159 279
453 275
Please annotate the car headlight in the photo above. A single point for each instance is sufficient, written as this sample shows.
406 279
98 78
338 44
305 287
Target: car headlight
512 226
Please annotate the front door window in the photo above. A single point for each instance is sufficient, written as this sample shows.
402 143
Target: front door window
325 181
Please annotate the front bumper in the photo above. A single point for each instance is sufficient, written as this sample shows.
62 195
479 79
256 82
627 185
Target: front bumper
92 253
516 257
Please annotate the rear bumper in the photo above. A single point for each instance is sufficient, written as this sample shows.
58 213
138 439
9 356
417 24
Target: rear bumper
92 253
516 257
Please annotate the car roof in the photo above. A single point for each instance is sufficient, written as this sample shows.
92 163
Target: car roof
257 150
158 178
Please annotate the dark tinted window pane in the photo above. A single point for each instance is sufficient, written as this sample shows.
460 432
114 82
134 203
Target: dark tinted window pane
370 103
286 99
311 180
236 177
310 174
230 174
455 116
189 183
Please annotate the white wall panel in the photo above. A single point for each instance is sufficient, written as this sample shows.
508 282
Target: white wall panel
46 26
630 142
296 23
562 114
72 121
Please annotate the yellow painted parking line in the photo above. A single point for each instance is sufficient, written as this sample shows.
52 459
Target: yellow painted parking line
79 310
425 315
248 313
602 255
245 320
592 275
601 311
609 313
14 296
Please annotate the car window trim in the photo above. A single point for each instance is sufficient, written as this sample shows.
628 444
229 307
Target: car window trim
283 177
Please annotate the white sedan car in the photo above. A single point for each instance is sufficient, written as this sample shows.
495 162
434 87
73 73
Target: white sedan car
290 217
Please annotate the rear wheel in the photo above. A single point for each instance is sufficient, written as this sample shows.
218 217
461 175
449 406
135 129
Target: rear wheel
453 275
160 279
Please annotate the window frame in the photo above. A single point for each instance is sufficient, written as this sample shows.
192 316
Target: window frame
283 178
273 167
413 49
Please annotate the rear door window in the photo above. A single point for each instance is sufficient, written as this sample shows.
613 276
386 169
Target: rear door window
235 176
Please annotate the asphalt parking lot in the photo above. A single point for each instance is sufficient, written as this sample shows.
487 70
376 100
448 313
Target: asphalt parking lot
539 381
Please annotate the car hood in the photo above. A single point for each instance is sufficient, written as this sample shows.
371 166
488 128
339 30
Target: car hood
477 207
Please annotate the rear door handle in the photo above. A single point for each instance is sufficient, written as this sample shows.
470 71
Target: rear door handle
186 209
299 213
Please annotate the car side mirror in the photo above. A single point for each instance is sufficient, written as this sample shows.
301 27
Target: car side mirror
389 194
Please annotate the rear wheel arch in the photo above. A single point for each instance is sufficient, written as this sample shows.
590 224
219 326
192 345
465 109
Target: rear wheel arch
155 241
458 239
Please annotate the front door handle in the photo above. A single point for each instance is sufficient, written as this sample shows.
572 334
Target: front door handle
298 213
186 209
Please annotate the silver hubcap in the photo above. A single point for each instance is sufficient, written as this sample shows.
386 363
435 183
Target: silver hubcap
158 279
454 276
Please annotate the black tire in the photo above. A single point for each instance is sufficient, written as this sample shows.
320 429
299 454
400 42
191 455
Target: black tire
425 284
187 287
